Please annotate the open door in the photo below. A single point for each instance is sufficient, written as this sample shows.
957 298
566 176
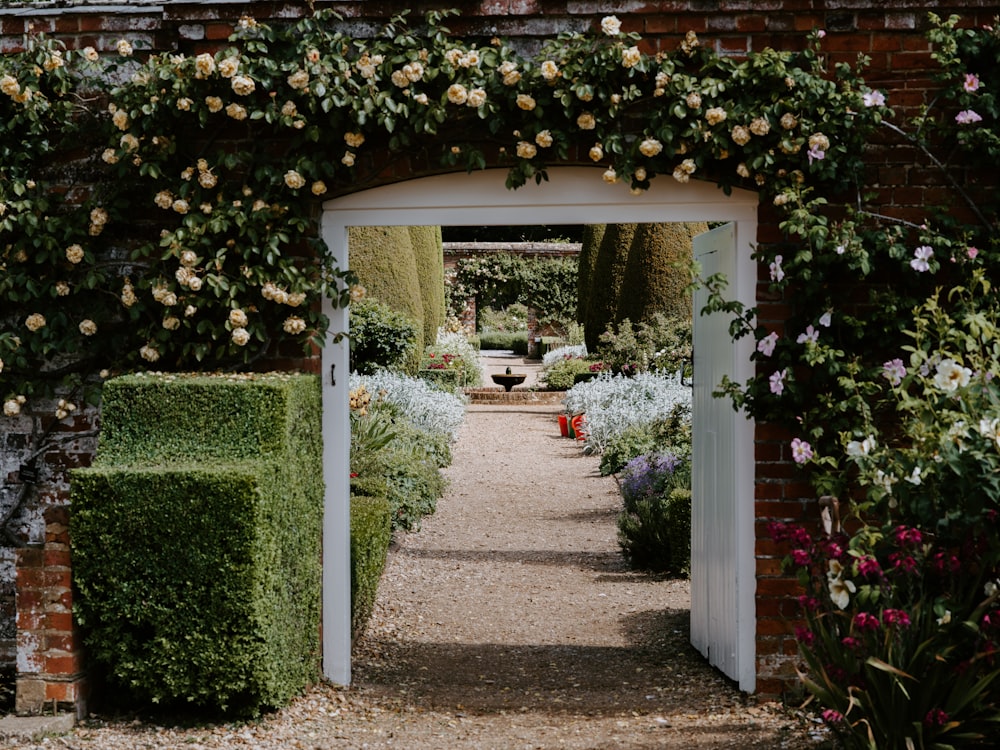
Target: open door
722 561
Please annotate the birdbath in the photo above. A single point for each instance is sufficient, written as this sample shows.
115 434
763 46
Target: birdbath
509 379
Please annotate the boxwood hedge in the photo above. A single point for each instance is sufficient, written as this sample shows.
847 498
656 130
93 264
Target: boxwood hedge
197 540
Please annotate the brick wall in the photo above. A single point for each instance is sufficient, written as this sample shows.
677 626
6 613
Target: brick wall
890 33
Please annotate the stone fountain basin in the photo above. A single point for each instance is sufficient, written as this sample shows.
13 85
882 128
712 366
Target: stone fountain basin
509 380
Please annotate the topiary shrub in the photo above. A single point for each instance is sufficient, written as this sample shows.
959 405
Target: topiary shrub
429 257
197 539
503 340
381 338
371 534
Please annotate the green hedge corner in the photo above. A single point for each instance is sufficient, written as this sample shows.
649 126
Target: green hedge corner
197 540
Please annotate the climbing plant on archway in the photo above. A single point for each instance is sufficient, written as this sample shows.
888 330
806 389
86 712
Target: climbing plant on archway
197 247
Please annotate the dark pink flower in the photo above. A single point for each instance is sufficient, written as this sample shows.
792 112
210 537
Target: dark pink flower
907 536
808 603
935 718
830 716
896 617
869 567
801 557
850 642
866 621
805 636
800 537
904 563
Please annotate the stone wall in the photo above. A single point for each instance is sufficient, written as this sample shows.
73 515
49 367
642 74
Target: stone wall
891 34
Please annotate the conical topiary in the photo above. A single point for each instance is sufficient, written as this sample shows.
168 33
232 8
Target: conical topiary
429 255
589 247
606 281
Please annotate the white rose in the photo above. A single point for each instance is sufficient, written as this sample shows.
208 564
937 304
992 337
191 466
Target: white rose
241 336
88 327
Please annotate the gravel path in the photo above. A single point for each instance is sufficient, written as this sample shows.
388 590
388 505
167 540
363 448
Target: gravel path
510 621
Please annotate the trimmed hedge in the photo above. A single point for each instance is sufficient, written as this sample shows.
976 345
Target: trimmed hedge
429 256
371 534
197 540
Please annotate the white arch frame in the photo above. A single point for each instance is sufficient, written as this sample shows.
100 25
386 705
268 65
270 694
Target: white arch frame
572 195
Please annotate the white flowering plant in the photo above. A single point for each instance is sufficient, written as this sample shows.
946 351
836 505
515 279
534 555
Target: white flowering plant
902 613
611 404
210 168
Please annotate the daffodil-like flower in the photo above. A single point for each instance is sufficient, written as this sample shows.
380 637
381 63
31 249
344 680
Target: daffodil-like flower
840 589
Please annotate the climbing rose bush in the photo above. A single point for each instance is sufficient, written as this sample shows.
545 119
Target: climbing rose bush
183 229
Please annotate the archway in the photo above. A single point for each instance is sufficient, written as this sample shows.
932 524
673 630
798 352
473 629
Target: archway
572 195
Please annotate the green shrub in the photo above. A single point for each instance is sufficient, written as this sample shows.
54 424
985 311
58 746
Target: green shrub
450 380
560 375
512 319
371 534
673 434
503 340
380 338
384 259
413 481
429 257
197 540
656 533
660 344
654 527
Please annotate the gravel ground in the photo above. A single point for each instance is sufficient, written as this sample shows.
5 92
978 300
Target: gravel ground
510 621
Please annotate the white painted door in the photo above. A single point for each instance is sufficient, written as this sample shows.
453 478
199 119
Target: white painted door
721 572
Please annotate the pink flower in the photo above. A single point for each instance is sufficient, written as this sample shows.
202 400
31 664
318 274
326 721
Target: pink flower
801 557
850 642
866 621
972 252
869 567
832 717
811 334
968 117
766 345
801 451
873 99
894 371
935 717
816 154
896 617
777 272
907 535
805 636
971 83
921 256
777 382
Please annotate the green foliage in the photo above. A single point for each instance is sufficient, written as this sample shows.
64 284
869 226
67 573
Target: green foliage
590 243
371 534
397 460
429 256
510 319
607 277
658 273
380 337
561 374
504 340
226 156
386 265
454 352
196 552
672 434
503 281
654 526
661 344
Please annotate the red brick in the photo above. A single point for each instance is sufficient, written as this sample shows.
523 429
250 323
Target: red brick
63 664
62 692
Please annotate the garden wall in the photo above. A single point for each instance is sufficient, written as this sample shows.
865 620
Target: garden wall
34 561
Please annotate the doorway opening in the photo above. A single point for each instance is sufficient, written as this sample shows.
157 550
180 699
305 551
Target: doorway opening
723 571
